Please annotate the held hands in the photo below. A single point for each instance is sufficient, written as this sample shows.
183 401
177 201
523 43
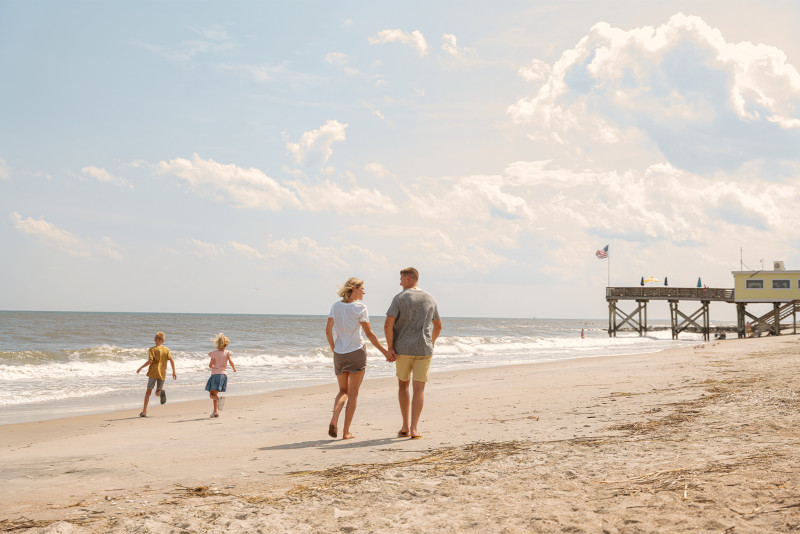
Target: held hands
391 356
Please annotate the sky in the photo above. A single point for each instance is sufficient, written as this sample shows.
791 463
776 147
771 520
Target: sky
249 157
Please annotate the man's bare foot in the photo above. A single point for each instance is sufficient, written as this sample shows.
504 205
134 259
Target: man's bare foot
348 435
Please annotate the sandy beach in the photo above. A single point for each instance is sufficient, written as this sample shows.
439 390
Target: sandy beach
704 438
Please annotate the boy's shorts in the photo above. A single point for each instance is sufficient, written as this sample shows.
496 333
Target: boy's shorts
155 382
418 364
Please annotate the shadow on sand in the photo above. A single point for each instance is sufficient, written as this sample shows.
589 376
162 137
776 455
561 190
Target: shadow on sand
334 444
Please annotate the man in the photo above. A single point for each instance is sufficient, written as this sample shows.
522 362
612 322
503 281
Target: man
410 339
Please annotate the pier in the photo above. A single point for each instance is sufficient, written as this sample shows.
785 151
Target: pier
779 288
770 323
679 321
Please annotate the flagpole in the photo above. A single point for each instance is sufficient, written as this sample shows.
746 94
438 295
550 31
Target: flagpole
609 269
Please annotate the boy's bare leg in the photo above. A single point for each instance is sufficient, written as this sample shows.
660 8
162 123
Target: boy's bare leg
146 400
405 401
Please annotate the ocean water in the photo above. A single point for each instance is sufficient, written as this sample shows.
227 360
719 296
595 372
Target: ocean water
57 364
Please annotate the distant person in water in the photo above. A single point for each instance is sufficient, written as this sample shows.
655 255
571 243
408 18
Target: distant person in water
412 326
158 357
218 381
349 317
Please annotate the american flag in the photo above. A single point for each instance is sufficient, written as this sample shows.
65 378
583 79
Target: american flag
602 253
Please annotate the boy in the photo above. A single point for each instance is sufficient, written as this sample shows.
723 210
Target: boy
157 361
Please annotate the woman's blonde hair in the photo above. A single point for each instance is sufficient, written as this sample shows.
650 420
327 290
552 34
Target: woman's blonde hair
220 341
347 289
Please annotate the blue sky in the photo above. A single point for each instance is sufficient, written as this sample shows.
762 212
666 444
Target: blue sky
248 157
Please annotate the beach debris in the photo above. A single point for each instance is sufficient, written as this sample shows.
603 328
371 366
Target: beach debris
671 479
198 491
23 523
529 417
449 459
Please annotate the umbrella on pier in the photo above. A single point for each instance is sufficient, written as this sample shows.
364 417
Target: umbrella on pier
699 283
651 280
642 282
665 281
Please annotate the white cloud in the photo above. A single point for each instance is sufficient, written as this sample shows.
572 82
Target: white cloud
5 170
337 58
471 198
378 170
314 147
64 241
247 188
329 196
414 39
252 188
214 40
245 250
303 251
205 250
536 71
450 46
706 103
478 223
263 72
103 175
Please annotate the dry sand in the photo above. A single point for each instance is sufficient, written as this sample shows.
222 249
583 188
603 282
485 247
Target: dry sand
704 438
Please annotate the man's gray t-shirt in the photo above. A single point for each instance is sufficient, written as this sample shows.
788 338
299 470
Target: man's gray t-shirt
413 310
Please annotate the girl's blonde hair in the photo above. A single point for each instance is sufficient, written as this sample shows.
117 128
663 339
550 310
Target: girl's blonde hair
347 289
220 341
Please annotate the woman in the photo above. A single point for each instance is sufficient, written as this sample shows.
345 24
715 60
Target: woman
349 316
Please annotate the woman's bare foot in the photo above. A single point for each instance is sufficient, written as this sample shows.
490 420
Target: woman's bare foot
348 435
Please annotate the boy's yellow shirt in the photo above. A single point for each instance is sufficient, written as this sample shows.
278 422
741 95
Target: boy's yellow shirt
158 369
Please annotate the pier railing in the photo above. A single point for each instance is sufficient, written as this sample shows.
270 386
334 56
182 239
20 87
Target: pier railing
669 293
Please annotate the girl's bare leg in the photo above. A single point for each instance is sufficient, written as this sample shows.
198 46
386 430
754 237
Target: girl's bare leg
214 399
353 386
341 398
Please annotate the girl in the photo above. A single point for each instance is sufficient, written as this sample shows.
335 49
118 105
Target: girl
218 381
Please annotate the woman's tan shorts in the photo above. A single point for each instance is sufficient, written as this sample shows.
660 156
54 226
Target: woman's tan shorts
351 362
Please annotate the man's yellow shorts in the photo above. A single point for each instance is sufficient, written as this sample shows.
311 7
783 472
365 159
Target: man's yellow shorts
418 364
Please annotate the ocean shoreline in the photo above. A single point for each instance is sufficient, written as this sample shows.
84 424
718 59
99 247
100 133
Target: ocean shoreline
63 364
137 393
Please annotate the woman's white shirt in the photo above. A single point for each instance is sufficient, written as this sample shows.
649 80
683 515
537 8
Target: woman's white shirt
347 319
